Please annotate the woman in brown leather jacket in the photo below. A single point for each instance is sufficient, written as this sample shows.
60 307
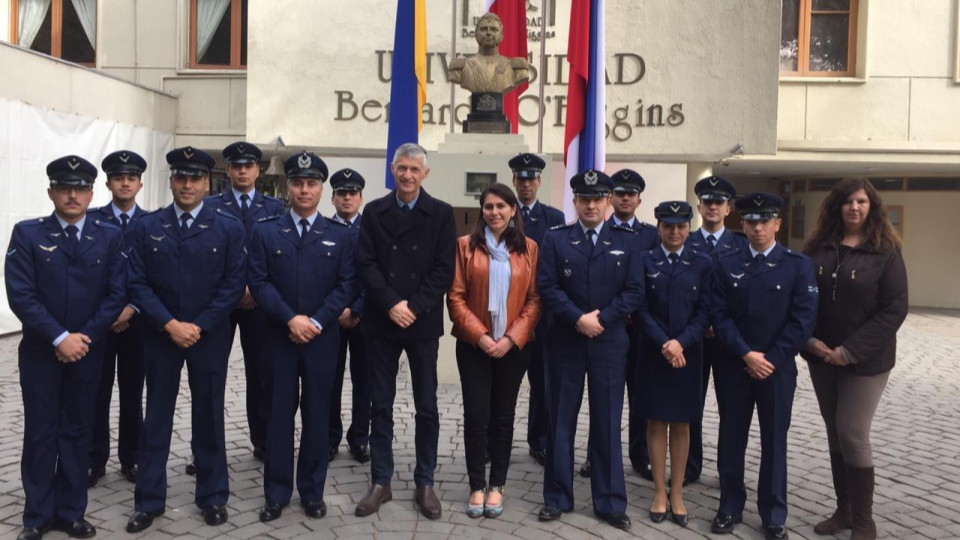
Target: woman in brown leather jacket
494 306
863 301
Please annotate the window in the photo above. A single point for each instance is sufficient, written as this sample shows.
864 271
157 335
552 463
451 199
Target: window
933 184
895 215
64 29
818 38
218 34
799 222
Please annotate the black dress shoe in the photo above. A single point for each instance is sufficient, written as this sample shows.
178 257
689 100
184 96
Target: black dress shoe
33 533
776 532
192 468
141 521
314 509
586 470
94 475
215 515
616 519
360 453
645 472
270 512
130 473
258 453
723 523
80 528
332 453
687 480
680 519
549 513
540 456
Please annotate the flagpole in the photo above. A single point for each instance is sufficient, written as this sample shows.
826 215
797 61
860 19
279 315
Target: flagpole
543 71
453 56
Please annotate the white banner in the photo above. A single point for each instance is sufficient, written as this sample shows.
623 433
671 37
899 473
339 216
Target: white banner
31 137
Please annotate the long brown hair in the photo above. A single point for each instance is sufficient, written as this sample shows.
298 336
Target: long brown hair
878 234
513 236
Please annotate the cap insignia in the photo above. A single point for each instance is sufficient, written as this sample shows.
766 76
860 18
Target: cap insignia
675 207
188 153
304 161
591 178
347 173
124 157
758 201
74 164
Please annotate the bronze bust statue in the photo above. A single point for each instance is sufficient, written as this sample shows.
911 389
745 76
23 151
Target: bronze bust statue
488 71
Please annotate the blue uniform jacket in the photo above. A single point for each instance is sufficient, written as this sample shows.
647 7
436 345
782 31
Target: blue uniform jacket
728 241
770 309
317 278
543 217
105 213
197 278
262 206
677 297
574 282
53 290
647 235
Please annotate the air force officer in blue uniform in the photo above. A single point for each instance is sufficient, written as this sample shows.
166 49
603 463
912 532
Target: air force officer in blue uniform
590 277
538 218
303 275
188 270
716 197
124 353
764 309
65 276
244 202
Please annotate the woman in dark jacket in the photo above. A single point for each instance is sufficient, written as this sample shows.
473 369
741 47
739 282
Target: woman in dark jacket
863 301
669 375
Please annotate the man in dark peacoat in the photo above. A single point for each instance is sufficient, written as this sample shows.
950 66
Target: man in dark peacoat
405 258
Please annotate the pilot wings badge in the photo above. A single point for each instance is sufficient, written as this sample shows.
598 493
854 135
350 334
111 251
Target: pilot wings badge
50 249
157 238
737 276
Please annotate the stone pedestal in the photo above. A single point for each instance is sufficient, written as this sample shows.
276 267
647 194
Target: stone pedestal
486 114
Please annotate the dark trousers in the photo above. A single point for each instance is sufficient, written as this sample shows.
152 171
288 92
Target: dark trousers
359 433
713 351
384 358
58 402
490 387
603 361
207 371
252 323
537 421
737 394
123 357
636 424
299 376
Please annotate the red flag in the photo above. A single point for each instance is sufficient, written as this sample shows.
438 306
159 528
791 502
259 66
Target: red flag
513 13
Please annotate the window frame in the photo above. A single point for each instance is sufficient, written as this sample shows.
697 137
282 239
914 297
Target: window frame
803 42
56 31
236 43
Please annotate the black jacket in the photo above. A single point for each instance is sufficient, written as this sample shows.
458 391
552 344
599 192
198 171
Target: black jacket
408 258
869 307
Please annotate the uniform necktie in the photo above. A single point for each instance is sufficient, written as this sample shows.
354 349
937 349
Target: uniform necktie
673 258
592 237
712 240
72 239
525 211
185 222
304 226
244 204
405 209
759 258
124 219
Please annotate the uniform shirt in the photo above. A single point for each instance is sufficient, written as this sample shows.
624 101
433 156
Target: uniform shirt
237 194
624 223
64 225
529 207
117 212
351 221
716 235
766 253
666 251
193 214
598 228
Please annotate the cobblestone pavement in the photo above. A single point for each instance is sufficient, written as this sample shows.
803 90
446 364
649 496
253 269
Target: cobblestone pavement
916 442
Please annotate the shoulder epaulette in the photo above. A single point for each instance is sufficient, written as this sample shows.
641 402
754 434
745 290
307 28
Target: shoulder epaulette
269 218
729 252
35 221
624 228
340 223
105 224
561 226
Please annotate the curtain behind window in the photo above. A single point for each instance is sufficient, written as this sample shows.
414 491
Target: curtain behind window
32 14
209 15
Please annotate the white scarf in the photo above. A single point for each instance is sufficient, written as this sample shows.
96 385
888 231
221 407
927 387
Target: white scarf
499 284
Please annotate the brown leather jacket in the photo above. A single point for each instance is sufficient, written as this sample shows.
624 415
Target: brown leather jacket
468 297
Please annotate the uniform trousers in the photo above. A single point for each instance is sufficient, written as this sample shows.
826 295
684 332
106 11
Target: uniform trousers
298 376
252 323
358 434
122 358
58 403
737 394
206 364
